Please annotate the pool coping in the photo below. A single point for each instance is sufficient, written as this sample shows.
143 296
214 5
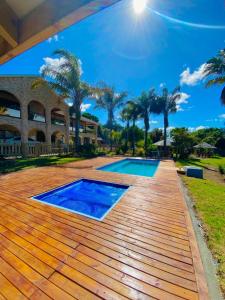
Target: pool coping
80 213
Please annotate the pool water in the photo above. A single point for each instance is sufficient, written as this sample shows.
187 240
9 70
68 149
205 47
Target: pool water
132 166
86 197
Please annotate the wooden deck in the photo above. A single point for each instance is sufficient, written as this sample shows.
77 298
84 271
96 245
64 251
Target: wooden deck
144 249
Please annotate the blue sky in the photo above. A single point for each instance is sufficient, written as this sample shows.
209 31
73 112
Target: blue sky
136 52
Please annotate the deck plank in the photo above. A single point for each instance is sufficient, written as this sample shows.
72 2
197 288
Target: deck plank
144 248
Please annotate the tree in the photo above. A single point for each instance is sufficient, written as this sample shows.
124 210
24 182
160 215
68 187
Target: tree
134 113
215 67
109 100
146 103
66 82
156 135
208 135
183 142
167 104
90 117
125 116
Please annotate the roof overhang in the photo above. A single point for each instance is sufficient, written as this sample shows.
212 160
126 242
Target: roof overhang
23 23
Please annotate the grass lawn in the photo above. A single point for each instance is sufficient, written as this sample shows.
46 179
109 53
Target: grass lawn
7 166
215 162
209 199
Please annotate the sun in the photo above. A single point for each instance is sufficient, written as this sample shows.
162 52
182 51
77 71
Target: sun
139 6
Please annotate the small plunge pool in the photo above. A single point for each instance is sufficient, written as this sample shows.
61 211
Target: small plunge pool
86 197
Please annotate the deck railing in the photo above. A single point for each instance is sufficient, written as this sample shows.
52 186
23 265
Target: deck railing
10 149
33 150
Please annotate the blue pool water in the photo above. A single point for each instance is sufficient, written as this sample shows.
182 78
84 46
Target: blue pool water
86 197
141 167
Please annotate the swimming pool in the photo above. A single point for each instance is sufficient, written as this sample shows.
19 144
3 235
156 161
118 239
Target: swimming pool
86 197
133 166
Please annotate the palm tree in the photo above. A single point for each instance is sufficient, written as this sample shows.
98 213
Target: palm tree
215 67
146 103
125 116
134 113
109 100
66 82
167 104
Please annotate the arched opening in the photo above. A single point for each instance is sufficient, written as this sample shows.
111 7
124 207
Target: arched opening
9 105
36 136
58 117
36 111
58 138
87 140
9 134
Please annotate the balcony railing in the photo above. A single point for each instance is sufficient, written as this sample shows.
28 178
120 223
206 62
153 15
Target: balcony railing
33 150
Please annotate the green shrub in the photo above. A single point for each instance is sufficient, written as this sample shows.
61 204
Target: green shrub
87 150
140 151
222 169
118 151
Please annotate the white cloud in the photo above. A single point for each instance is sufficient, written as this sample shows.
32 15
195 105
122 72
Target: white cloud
183 100
212 120
191 129
53 63
154 122
85 107
200 127
53 38
222 116
162 84
188 78
56 64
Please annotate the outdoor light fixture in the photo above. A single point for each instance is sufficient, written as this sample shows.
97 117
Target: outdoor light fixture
139 6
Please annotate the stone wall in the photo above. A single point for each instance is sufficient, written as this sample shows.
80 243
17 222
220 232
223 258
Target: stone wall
20 87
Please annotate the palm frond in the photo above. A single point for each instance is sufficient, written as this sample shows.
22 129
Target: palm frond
69 57
218 80
2 110
39 82
60 89
222 97
176 90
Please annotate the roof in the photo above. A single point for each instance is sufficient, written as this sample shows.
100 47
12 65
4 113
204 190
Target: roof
86 120
24 23
161 143
204 146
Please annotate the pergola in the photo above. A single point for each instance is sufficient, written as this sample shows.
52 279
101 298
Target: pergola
25 23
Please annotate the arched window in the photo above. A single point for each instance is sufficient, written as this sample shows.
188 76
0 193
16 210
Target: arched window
36 136
9 134
36 112
58 117
57 138
9 105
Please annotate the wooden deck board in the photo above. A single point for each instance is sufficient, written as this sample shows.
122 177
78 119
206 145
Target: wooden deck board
145 248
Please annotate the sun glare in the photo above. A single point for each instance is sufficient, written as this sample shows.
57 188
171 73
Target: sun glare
139 6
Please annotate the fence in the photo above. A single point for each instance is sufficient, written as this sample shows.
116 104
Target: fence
33 150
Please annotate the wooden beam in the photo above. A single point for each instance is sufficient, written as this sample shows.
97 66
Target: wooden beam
51 17
8 24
